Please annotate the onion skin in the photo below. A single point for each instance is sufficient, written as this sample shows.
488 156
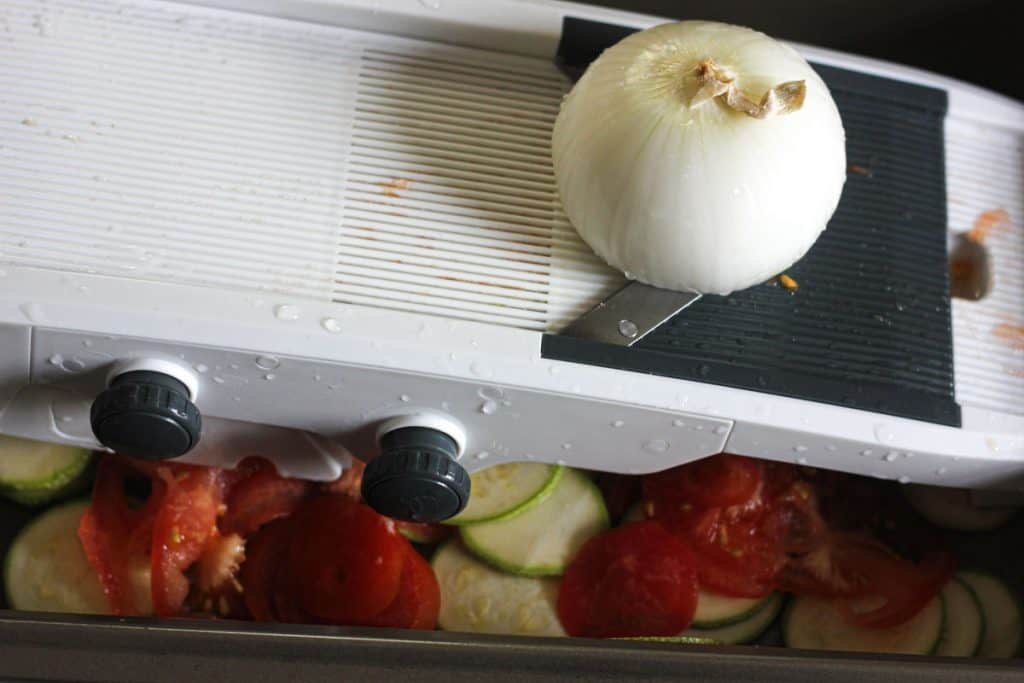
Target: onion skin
690 194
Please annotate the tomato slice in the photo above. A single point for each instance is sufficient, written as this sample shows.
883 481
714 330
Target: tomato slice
264 552
345 561
734 558
185 521
259 498
418 601
718 481
634 580
116 535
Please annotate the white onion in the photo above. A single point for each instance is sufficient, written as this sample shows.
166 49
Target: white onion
682 180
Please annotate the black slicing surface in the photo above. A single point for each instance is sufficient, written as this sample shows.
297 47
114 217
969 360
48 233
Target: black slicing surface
869 326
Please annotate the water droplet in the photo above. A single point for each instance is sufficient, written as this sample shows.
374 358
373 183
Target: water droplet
890 456
721 429
553 370
801 461
618 423
87 343
287 312
566 446
530 456
698 428
56 360
884 434
628 329
233 366
236 399
489 407
269 376
335 387
866 451
656 446
218 380
703 369
70 137
445 405
29 122
479 369
992 444
452 356
490 393
831 448
317 378
941 471
628 275
904 479
762 381
201 367
66 418
482 455
431 4
561 462
267 363
331 325
34 313
404 398
800 449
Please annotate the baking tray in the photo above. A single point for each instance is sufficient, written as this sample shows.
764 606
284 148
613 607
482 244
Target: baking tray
35 646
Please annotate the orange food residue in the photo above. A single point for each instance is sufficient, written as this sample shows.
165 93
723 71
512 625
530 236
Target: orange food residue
988 221
1011 334
392 187
789 283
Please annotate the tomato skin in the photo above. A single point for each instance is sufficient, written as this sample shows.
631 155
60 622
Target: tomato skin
264 553
634 580
185 521
259 498
344 561
418 601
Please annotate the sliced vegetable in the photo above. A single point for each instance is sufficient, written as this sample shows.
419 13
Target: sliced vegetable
714 610
117 533
344 561
814 623
508 489
36 472
952 508
185 521
746 630
1002 612
718 481
634 580
542 539
418 600
264 554
477 598
260 497
964 627
46 569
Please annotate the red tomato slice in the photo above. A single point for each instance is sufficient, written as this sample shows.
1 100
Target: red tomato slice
718 481
259 498
418 600
344 561
634 580
737 560
186 519
114 534
264 552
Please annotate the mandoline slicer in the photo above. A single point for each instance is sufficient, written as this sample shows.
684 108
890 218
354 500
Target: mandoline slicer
294 228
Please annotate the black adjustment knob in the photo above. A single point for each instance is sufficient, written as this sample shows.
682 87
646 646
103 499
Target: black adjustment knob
416 478
146 414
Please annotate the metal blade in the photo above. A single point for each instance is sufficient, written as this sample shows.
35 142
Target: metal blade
630 314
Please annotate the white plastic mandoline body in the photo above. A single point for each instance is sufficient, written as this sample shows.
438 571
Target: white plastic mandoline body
332 212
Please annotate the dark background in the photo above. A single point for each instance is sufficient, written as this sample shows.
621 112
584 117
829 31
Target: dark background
973 40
